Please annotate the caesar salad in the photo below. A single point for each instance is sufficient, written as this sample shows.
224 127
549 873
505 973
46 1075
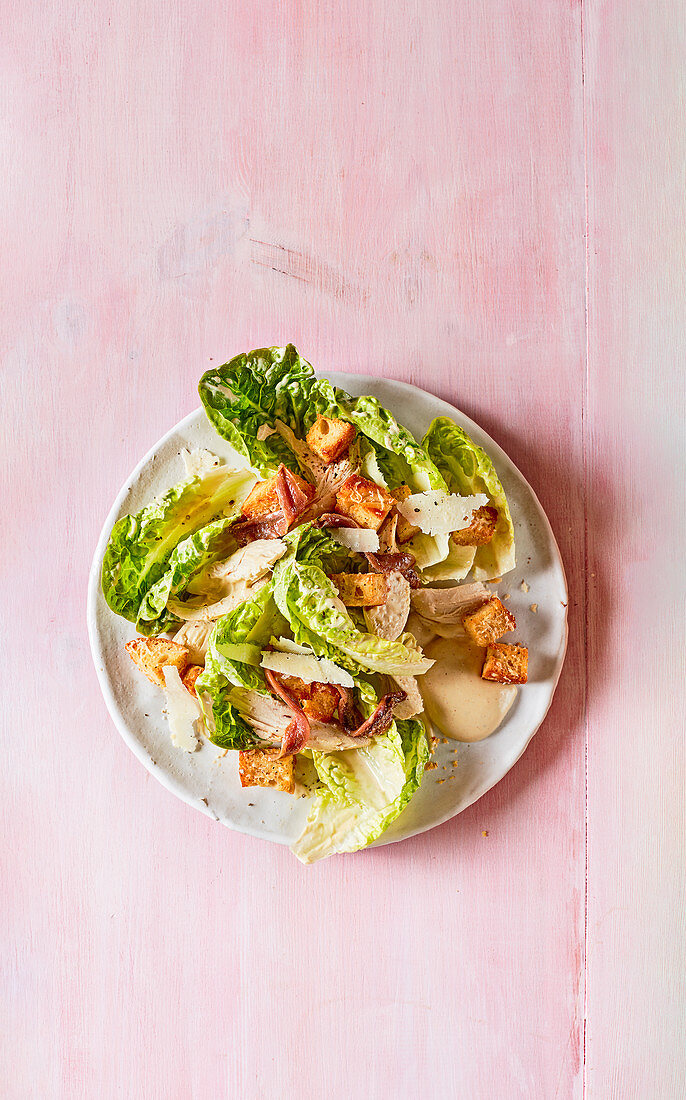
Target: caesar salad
316 602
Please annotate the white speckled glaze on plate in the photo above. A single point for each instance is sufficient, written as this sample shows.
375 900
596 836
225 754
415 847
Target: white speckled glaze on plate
209 780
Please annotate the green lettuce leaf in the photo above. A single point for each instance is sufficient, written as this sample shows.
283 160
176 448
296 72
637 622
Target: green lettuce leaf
252 391
398 454
467 469
364 790
257 388
241 634
140 546
195 553
309 600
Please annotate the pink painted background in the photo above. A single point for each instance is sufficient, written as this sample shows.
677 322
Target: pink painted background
485 200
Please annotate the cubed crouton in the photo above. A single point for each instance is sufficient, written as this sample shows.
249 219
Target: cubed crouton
330 438
190 676
319 701
364 501
506 664
322 702
361 589
262 498
405 530
153 654
488 622
480 530
264 768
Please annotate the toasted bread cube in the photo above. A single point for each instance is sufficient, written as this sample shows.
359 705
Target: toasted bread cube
153 654
480 530
319 701
262 498
190 676
406 530
361 589
506 664
322 703
488 622
364 501
330 438
264 768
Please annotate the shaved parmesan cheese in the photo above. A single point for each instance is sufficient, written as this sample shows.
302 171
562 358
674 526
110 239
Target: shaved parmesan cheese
264 431
183 711
439 513
310 669
199 461
361 540
287 645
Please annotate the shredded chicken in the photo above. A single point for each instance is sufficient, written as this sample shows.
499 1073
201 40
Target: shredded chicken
413 703
194 636
448 605
388 620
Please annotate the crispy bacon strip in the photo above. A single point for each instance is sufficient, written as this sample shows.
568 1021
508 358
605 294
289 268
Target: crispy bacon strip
347 711
395 563
332 519
298 731
292 500
271 526
382 717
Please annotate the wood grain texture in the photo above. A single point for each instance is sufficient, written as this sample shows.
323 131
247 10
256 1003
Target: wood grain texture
636 86
400 189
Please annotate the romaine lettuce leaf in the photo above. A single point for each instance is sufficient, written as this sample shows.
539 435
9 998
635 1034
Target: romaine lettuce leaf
257 388
196 552
467 469
364 791
140 546
399 456
309 600
252 391
227 673
251 624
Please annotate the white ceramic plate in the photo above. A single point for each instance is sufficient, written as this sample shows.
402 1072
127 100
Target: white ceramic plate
208 780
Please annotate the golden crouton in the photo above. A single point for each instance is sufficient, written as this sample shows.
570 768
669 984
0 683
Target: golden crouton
264 768
488 622
262 498
319 701
506 664
361 589
406 530
480 530
364 501
322 703
153 654
329 438
190 676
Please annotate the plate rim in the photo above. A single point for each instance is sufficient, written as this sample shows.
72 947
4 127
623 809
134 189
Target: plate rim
495 451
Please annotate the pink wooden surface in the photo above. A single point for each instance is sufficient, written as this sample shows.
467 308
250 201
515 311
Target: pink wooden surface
400 189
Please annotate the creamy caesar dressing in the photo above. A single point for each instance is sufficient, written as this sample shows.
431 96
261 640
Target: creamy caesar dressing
461 704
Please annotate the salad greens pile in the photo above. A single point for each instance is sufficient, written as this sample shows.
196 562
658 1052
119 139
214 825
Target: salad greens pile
172 566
